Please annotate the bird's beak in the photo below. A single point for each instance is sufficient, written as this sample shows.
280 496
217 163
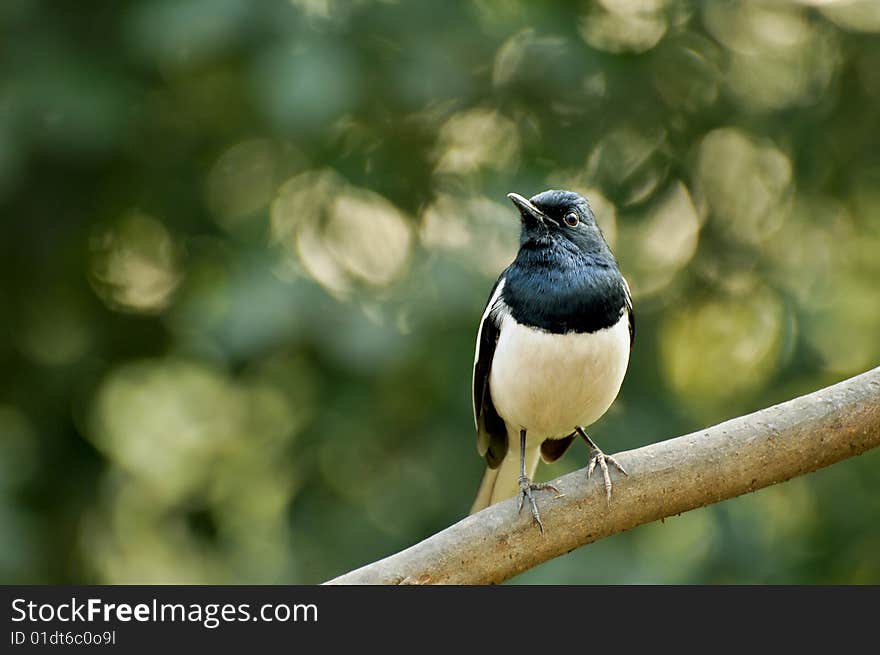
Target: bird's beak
528 211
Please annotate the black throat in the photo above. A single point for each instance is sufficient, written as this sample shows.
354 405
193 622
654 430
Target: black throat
560 289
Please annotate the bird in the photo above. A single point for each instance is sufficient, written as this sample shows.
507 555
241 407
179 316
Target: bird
552 350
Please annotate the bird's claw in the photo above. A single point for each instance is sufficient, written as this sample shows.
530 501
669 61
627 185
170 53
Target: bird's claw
600 458
526 487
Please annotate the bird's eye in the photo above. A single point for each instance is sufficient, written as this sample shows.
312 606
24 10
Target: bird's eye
571 219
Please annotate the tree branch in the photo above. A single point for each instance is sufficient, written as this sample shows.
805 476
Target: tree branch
666 478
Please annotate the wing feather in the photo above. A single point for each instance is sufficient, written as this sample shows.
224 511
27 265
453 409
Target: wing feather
491 431
630 312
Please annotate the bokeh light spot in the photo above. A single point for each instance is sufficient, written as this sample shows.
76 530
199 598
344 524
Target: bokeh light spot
475 139
480 231
518 54
661 242
855 15
164 421
341 234
135 265
624 25
195 457
744 184
779 57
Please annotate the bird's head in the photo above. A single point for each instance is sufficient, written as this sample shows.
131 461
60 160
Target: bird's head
559 217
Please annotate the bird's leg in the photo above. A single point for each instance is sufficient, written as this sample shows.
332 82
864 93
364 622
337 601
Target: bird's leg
600 458
526 486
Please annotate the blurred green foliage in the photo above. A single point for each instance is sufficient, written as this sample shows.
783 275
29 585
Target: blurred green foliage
246 246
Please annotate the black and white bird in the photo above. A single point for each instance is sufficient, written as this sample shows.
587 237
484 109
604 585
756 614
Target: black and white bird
552 347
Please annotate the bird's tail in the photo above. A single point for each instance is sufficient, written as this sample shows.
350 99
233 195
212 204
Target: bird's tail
503 482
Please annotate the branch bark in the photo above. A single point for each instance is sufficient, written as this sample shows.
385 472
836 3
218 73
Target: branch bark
666 478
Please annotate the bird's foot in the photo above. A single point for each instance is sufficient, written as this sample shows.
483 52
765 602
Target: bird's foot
603 460
526 487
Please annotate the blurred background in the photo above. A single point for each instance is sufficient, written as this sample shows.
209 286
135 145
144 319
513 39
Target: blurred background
246 246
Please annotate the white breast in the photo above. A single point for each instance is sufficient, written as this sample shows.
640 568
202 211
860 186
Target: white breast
550 383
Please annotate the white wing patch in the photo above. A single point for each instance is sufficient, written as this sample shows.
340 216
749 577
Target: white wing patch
488 315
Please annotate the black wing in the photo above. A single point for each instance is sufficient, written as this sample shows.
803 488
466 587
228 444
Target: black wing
491 431
630 313
553 449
